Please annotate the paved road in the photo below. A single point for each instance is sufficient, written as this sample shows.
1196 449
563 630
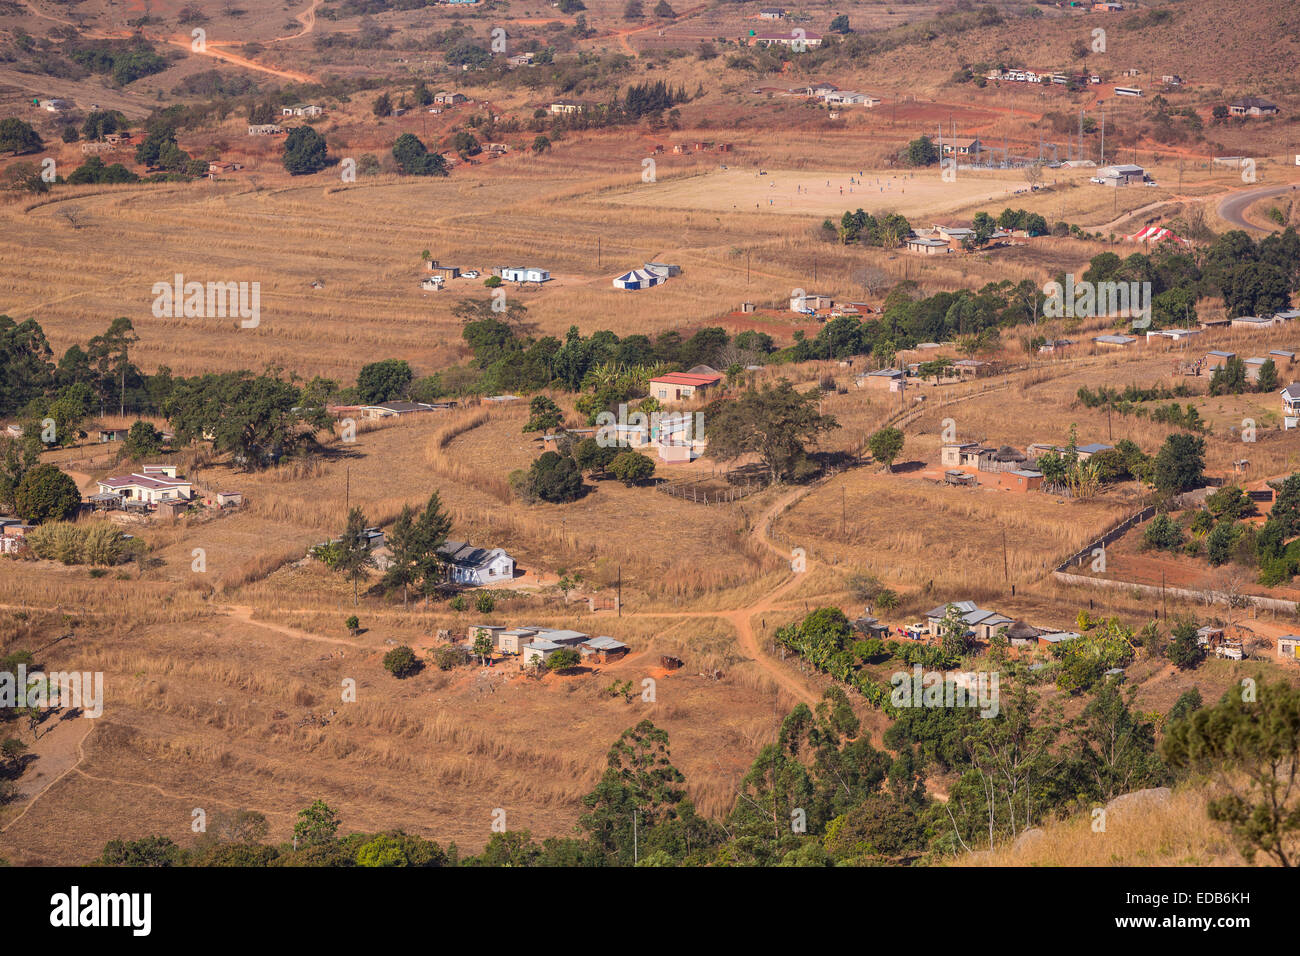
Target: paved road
1233 206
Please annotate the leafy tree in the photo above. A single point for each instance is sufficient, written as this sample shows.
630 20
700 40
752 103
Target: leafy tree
1116 747
563 660
1220 541
632 467
353 624
591 455
384 381
46 494
17 137
664 11
255 419
886 445
1229 378
1188 702
555 478
484 602
1267 380
147 851
415 159
1286 506
316 826
401 662
543 415
305 151
1253 749
922 152
633 10
383 105
483 647
354 557
840 24
774 422
1180 463
142 441
1185 650
1163 534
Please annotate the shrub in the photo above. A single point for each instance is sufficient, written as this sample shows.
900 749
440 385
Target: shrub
450 656
1163 534
401 662
485 603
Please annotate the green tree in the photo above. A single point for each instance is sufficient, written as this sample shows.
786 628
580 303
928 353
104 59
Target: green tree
415 159
383 105
401 662
1252 746
922 152
46 494
1185 650
840 24
384 381
484 602
555 478
543 415
886 445
305 151
1180 463
483 647
354 557
17 136
773 422
1267 380
316 826
565 659
632 467
142 441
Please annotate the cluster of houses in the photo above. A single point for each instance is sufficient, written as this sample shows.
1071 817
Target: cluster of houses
824 92
1031 76
941 240
536 645
969 463
982 626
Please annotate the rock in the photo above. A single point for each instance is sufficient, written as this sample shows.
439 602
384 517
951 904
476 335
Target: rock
1138 799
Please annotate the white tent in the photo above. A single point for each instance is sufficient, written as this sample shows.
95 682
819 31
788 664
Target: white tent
640 279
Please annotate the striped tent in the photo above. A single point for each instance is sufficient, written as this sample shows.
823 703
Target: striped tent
640 279
1154 234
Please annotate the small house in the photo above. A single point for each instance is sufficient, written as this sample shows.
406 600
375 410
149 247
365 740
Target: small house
1288 648
1252 106
602 650
682 386
467 564
444 98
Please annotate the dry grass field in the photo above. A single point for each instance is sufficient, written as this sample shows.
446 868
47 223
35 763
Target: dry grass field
224 683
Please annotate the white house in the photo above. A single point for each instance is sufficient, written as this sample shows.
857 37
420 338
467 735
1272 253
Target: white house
467 564
1291 406
155 483
524 274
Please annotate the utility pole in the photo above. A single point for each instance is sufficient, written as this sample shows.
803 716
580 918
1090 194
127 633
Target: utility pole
620 590
1103 139
1006 572
746 267
347 490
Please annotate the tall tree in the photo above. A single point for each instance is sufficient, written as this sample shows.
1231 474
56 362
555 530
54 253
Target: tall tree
774 422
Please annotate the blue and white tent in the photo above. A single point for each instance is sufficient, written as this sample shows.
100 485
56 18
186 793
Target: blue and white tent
640 279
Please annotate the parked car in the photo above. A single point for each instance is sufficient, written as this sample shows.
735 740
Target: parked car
470 274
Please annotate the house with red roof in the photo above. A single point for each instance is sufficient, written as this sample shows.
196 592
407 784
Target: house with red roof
153 484
683 386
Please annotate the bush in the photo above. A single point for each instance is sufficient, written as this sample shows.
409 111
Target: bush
564 660
632 467
1163 534
99 543
450 656
46 494
401 662
485 603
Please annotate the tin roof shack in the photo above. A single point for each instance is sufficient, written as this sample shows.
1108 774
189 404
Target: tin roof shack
603 650
1288 648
